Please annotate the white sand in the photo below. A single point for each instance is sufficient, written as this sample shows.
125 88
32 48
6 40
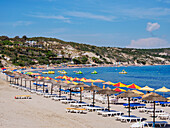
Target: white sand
40 112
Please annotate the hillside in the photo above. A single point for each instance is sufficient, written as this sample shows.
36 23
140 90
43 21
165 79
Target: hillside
40 50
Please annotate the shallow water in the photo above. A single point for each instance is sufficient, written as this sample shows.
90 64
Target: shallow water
152 76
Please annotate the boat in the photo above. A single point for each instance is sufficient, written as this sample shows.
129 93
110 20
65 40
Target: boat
79 72
62 72
123 72
94 72
51 72
44 72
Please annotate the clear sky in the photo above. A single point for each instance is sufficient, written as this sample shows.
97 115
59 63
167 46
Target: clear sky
117 23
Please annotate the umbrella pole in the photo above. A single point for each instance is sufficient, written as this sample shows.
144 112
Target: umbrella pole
129 105
17 82
60 91
21 81
80 96
30 85
6 77
70 94
93 97
154 115
51 89
36 85
43 86
10 80
108 102
25 83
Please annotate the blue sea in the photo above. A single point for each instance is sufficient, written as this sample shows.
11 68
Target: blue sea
152 76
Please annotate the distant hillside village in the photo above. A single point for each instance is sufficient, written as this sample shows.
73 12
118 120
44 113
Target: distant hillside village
26 51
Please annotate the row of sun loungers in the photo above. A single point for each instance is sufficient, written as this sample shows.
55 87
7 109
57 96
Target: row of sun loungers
84 108
149 124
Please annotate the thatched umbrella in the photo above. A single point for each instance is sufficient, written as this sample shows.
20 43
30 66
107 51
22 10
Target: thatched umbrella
9 74
33 79
93 88
128 94
108 92
27 79
60 83
70 85
80 85
16 77
6 72
52 84
153 97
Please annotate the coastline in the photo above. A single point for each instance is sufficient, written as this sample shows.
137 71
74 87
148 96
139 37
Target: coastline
40 112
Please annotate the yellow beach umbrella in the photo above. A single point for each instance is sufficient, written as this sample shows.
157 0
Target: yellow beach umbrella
138 92
168 99
146 88
75 83
89 81
163 89
67 82
109 83
99 81
133 86
103 86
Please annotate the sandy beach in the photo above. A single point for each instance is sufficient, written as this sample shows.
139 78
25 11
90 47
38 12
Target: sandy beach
40 112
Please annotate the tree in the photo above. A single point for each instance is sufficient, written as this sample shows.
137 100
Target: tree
2 38
16 38
24 38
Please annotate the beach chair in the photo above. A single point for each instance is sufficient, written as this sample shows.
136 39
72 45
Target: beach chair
138 125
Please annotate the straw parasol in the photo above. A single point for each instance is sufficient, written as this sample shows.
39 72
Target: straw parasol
154 97
93 88
60 83
129 94
138 92
80 85
70 85
108 92
146 88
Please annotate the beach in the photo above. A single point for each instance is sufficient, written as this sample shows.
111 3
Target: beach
40 112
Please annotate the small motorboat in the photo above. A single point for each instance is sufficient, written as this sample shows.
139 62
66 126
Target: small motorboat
94 72
79 72
123 72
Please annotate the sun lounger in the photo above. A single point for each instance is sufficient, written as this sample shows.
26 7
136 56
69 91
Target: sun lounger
76 110
22 97
68 101
157 123
138 125
165 116
112 113
78 104
59 98
92 109
126 118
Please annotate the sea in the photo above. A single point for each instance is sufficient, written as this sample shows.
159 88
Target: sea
152 76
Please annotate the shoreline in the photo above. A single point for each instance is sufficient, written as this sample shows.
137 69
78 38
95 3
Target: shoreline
52 68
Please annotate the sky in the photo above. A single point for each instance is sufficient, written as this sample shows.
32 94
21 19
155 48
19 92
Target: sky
113 23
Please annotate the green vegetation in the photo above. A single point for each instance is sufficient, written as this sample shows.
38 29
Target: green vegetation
45 51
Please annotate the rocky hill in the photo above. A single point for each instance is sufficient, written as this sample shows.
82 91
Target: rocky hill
41 50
